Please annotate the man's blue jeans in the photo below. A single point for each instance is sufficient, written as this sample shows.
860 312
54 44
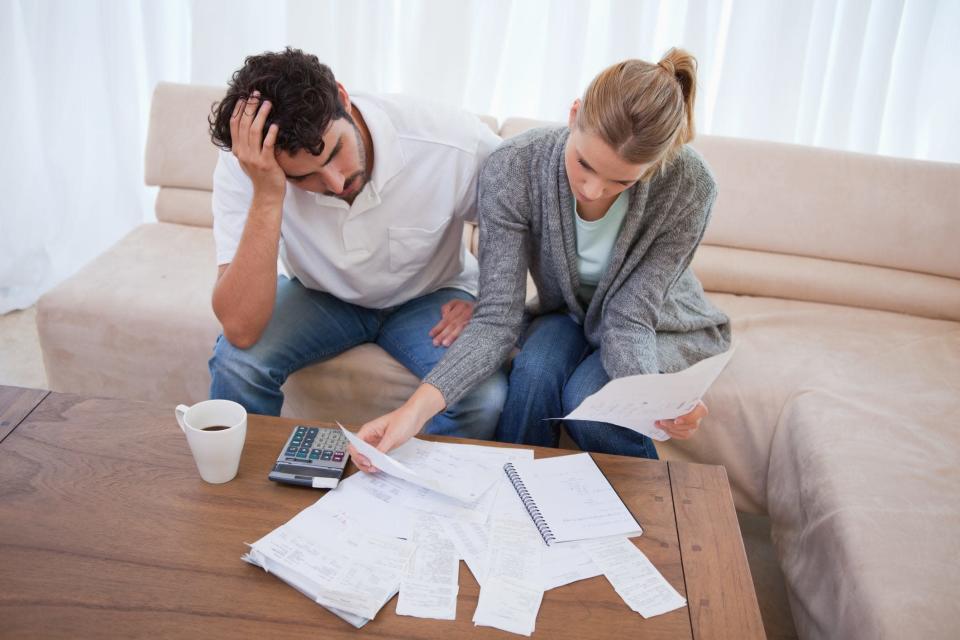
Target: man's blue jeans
308 326
554 372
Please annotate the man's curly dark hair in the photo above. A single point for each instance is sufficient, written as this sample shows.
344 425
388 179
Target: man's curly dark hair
301 90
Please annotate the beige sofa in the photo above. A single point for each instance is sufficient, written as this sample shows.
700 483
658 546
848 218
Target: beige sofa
837 416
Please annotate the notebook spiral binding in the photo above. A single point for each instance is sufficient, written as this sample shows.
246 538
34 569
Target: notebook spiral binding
529 504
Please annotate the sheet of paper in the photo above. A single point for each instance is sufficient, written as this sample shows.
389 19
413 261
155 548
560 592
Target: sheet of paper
575 499
565 563
389 505
382 461
301 584
430 583
508 604
311 522
507 504
637 402
351 569
634 577
440 467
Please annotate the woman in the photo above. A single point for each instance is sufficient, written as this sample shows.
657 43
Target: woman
606 214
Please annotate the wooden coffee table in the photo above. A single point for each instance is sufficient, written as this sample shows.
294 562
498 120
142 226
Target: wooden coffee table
106 529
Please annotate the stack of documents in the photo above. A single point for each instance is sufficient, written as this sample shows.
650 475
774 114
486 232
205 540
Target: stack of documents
405 529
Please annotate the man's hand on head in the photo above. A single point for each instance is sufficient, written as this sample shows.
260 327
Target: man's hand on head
454 318
254 150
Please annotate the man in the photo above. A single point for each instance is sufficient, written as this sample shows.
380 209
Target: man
363 199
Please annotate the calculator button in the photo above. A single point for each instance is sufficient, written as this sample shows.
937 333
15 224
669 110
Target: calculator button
313 430
314 454
327 454
292 451
338 457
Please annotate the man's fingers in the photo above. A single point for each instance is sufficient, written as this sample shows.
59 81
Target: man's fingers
450 339
246 120
235 123
250 110
443 337
452 334
270 140
256 129
437 328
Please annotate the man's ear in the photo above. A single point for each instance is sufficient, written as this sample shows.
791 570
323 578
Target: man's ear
574 110
344 97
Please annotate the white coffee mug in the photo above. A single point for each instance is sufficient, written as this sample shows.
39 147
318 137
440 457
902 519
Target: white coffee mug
216 452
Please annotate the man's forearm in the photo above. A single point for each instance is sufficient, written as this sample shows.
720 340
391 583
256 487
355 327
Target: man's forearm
244 295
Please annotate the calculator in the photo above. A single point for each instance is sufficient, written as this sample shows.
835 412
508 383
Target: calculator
312 457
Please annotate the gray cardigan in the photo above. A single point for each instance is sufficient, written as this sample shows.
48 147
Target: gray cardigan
648 313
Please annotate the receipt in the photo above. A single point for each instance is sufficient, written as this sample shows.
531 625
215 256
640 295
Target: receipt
471 540
511 590
515 551
634 577
508 604
430 584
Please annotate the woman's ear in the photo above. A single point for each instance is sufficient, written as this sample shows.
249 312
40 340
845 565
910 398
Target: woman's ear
574 110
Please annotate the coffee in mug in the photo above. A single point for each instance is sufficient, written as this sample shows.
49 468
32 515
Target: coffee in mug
216 431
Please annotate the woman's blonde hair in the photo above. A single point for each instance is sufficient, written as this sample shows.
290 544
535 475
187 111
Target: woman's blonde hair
643 111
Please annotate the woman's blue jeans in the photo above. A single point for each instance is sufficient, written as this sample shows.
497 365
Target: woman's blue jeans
308 326
554 372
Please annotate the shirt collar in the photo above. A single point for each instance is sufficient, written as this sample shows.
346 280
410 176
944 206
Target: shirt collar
388 157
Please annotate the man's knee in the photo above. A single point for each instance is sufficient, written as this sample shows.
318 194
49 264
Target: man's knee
229 360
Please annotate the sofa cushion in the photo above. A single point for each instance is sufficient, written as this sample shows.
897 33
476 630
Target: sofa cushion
864 491
137 323
783 346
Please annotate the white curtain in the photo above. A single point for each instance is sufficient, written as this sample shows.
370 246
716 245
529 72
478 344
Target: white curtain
76 80
871 76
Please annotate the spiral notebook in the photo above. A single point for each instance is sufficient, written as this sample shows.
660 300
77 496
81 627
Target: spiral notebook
568 498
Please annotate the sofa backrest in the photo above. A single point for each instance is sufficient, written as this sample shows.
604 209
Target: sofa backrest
790 222
828 226
180 157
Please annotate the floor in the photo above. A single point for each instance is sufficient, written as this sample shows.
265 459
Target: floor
21 365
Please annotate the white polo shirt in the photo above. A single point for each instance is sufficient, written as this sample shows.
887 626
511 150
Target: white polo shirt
403 235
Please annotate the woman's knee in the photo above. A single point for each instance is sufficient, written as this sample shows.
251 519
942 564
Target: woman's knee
588 378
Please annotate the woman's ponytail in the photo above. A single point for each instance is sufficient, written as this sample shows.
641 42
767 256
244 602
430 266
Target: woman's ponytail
683 67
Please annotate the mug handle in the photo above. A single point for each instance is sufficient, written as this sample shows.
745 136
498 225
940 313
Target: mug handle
179 412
